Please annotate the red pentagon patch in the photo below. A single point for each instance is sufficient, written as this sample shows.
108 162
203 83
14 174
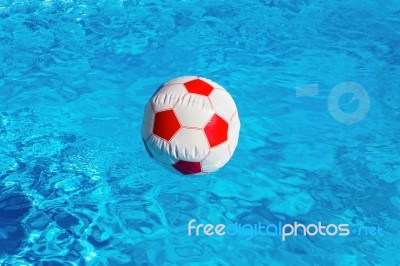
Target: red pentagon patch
199 87
216 131
166 124
188 168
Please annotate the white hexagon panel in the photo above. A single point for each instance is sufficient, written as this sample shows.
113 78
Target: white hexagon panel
167 96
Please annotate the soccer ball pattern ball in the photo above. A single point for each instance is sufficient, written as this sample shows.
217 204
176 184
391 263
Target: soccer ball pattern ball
191 125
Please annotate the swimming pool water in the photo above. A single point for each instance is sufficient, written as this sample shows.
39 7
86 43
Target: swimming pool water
76 184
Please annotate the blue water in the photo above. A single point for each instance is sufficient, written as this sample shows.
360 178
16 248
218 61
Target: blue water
76 184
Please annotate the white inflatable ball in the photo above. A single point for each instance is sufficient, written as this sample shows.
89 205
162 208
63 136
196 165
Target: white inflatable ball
191 125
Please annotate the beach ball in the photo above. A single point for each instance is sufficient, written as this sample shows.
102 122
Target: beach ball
191 125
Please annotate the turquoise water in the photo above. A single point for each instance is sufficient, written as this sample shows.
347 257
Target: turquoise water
77 187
